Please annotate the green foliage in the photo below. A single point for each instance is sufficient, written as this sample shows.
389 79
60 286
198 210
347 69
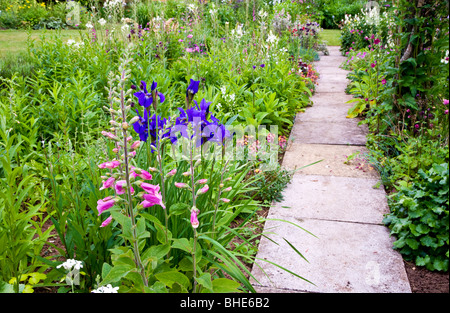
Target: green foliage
59 107
20 64
419 218
50 23
20 205
401 93
334 11
272 184
9 20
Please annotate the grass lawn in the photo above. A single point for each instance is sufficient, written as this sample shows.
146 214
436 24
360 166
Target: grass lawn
331 37
15 41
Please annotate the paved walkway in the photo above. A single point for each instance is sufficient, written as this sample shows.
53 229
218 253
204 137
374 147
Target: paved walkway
337 202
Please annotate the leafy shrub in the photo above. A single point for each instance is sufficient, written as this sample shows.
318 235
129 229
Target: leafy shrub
334 11
50 23
20 63
419 218
272 184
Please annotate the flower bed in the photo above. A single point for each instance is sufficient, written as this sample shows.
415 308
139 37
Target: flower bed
142 145
399 79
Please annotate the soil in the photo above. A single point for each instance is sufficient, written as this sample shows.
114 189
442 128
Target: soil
422 280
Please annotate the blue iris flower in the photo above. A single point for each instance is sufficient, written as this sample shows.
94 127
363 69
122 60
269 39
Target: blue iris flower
141 127
191 90
150 126
146 98
204 130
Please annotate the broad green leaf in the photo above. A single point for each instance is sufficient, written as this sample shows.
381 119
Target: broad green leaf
183 244
6 288
179 209
205 281
225 285
124 221
171 277
117 273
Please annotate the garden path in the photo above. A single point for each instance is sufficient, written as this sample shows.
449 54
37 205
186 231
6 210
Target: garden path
337 200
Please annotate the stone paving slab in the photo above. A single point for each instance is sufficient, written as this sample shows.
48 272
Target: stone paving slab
327 112
344 257
325 132
334 198
331 86
333 160
326 99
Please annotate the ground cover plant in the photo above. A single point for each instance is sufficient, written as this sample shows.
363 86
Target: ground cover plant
140 143
399 79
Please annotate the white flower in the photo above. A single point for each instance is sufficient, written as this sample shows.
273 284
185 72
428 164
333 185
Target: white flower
89 25
71 263
271 38
102 21
125 28
191 7
238 32
445 59
106 289
263 14
113 3
70 42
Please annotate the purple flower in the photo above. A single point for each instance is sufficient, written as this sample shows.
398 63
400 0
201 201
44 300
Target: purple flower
146 98
105 204
262 65
107 221
152 198
194 220
191 90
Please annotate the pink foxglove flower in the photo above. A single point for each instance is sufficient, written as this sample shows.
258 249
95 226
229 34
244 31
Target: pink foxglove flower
225 200
172 172
149 188
108 183
110 135
141 173
107 221
135 145
446 101
145 175
227 189
152 197
203 190
202 181
194 219
120 190
110 164
105 204
181 185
